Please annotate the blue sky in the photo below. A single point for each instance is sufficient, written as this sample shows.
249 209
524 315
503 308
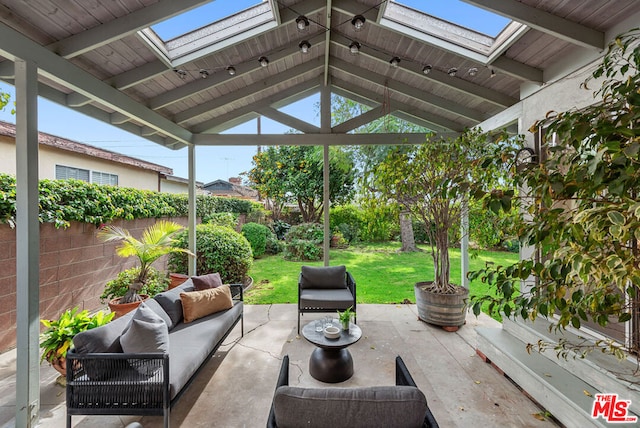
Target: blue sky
216 162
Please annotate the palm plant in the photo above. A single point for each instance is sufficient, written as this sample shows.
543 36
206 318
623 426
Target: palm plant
156 241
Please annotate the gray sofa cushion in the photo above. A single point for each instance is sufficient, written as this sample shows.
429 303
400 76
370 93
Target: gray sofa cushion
155 306
105 338
323 277
371 407
317 298
147 332
189 344
170 300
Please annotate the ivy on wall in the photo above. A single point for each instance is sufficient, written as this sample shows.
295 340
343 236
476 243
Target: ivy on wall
63 201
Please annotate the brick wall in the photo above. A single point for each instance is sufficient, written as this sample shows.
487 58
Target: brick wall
74 267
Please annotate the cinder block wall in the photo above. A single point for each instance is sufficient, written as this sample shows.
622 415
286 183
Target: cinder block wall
74 267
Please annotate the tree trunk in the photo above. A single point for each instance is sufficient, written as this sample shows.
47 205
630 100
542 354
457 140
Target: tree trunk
406 233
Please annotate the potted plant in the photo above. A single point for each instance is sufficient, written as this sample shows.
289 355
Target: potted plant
345 317
157 241
581 213
432 182
56 340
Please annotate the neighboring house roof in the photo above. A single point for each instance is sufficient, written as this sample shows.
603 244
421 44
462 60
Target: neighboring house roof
226 188
182 180
9 130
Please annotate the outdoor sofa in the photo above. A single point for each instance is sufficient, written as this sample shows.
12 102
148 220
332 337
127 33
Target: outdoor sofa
102 379
400 406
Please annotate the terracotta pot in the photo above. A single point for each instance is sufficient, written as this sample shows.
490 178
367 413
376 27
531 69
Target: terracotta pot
120 309
446 310
177 279
60 364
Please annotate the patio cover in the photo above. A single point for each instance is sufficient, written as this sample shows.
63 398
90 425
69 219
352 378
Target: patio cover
102 59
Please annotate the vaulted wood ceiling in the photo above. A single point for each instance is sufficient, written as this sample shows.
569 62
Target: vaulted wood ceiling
102 59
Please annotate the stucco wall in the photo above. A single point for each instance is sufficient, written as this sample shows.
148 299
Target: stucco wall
49 157
74 267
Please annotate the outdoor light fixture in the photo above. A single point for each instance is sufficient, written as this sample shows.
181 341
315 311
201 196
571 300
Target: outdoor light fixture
354 48
181 73
231 70
426 69
493 73
304 46
264 62
395 61
302 23
358 22
525 158
473 71
452 71
204 74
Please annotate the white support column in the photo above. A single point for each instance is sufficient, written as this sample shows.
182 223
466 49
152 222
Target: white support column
27 246
192 209
464 244
325 125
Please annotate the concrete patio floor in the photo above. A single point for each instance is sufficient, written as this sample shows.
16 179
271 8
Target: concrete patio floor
236 386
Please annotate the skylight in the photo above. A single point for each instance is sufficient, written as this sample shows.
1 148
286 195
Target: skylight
200 17
460 13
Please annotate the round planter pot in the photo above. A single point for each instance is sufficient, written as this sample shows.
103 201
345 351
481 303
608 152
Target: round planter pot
177 279
445 310
120 309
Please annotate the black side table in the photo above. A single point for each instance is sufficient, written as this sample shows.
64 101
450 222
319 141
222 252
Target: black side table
331 361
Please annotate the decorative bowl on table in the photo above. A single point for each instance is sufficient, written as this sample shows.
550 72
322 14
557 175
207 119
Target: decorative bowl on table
332 332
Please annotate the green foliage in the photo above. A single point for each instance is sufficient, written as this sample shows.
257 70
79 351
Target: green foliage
432 181
56 340
280 228
63 201
4 101
348 219
229 220
380 221
294 174
583 209
304 242
156 282
156 241
257 235
274 245
491 230
219 249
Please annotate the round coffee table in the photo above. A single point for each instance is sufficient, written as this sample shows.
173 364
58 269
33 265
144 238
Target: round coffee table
331 361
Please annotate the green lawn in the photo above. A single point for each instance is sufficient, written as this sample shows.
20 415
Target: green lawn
382 274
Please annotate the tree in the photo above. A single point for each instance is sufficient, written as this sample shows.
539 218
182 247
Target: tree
433 179
5 98
368 157
295 174
583 211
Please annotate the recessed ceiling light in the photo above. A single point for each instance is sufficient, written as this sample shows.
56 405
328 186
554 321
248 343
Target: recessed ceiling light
473 71
264 62
395 62
231 70
427 69
452 71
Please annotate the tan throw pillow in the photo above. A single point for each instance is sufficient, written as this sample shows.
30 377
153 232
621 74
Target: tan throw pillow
198 304
204 282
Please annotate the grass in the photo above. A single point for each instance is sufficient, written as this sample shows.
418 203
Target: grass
382 274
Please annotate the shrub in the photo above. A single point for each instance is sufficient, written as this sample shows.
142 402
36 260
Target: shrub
257 235
219 249
348 220
303 242
157 282
274 245
280 228
229 220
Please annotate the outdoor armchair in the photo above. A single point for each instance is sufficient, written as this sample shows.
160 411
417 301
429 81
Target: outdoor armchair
325 289
402 405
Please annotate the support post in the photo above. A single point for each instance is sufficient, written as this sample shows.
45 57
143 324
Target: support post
27 246
464 244
325 125
192 218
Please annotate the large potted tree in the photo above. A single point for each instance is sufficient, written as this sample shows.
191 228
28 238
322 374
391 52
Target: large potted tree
156 241
432 181
581 212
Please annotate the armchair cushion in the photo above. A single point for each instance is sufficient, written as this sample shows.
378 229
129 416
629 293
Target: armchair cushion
379 406
323 277
330 299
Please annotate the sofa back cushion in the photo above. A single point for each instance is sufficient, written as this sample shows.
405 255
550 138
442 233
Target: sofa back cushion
370 407
323 277
198 304
170 300
204 282
101 339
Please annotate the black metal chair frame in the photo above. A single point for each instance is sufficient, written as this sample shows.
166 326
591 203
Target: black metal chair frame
351 285
403 378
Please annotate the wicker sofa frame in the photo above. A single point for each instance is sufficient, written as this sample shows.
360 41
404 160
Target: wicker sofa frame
124 391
